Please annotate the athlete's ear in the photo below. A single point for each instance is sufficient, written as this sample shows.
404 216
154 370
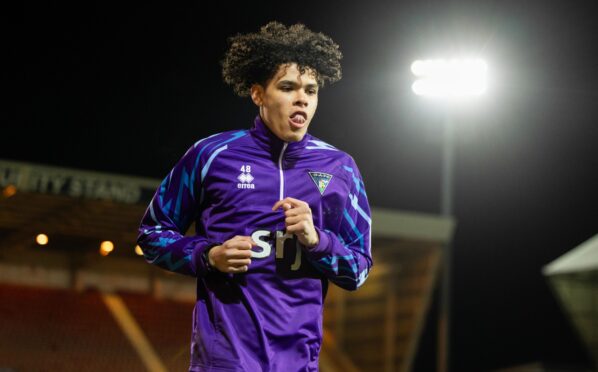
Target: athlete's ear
257 93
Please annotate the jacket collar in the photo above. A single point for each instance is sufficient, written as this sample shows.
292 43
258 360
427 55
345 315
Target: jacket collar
270 142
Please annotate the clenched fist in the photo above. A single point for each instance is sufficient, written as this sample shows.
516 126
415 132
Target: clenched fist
234 256
298 220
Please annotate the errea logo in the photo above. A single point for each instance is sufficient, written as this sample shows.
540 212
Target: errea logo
245 178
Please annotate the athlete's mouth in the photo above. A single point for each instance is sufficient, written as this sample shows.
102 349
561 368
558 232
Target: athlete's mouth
298 118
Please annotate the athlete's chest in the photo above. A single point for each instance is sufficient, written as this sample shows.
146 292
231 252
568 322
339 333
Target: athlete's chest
257 180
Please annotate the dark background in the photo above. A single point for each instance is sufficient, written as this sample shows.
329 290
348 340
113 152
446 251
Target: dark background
127 87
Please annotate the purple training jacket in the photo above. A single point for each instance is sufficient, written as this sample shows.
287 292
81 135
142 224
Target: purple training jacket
269 318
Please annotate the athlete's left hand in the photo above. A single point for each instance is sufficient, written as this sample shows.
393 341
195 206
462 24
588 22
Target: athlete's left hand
298 220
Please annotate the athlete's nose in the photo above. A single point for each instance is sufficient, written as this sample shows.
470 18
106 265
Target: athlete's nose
301 100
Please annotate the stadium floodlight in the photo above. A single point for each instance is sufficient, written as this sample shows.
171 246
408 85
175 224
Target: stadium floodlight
456 78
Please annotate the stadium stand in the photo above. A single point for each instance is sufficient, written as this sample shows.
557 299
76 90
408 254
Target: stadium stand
60 330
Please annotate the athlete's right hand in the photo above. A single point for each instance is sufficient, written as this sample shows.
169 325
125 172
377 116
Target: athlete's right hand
234 256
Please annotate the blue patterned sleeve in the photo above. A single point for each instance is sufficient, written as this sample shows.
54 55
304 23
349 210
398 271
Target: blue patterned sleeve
344 256
173 208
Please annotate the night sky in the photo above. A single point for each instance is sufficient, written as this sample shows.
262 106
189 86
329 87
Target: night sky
127 87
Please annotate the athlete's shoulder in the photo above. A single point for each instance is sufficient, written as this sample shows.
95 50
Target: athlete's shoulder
218 141
323 148
344 163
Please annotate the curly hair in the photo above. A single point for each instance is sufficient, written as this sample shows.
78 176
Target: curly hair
255 57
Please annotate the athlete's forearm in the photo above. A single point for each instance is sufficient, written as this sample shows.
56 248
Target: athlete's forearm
345 264
172 251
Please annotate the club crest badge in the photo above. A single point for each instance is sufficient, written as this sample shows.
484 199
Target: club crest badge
321 180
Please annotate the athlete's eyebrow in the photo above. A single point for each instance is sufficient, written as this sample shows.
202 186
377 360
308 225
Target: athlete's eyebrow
287 82
294 84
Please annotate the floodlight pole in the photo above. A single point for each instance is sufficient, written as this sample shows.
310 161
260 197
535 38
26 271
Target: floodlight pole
448 79
446 209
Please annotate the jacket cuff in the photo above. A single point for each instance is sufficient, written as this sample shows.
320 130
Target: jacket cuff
322 248
200 260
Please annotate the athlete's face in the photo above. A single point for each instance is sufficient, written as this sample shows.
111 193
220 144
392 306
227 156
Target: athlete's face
288 101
